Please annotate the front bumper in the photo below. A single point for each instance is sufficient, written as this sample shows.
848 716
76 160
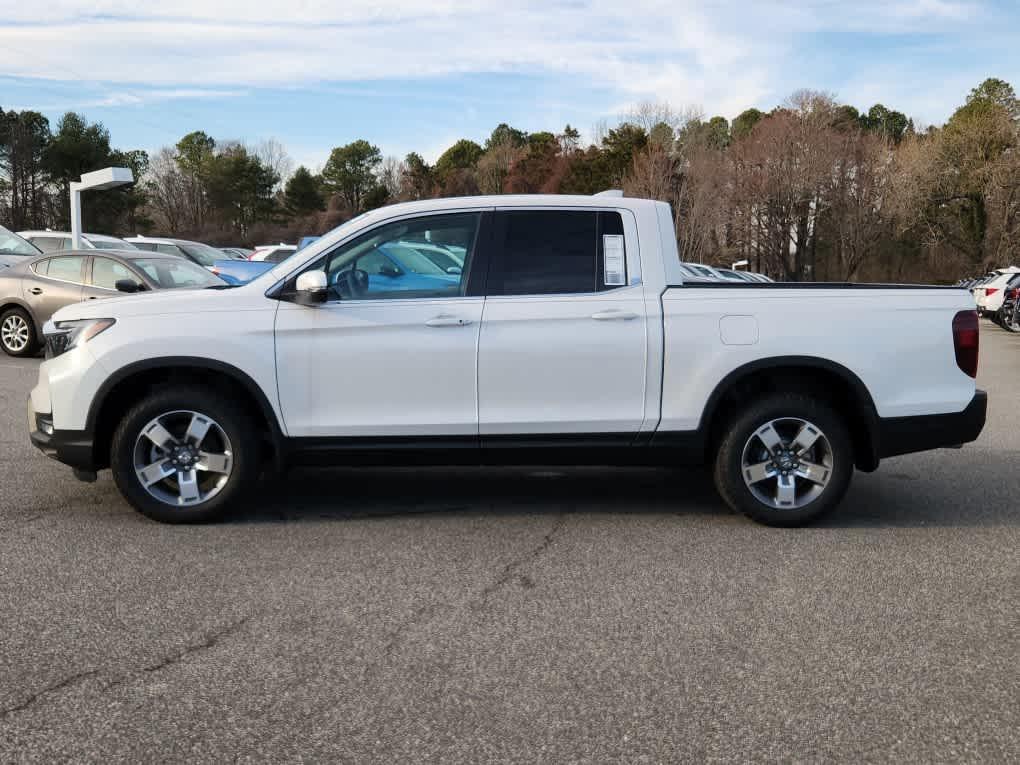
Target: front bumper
905 435
72 447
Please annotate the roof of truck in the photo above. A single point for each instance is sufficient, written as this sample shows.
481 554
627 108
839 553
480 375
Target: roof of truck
516 200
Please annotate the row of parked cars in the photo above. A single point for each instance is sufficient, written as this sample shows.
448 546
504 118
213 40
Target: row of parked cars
997 296
40 272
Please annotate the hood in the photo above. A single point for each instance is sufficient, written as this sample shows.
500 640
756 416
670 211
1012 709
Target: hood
162 302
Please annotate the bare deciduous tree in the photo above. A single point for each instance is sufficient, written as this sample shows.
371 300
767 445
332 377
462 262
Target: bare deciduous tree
171 192
272 154
391 174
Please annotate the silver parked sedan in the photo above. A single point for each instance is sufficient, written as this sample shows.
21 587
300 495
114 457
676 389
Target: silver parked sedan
32 291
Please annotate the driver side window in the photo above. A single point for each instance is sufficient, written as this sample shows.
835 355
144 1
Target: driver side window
416 258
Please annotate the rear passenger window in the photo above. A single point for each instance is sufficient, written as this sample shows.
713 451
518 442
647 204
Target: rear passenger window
67 268
543 252
48 243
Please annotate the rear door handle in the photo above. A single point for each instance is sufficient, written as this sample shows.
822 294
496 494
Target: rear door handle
36 290
447 321
614 315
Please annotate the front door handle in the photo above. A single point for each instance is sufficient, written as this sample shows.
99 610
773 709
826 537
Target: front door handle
36 290
614 315
447 321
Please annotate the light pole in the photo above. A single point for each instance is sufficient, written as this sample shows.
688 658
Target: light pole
97 180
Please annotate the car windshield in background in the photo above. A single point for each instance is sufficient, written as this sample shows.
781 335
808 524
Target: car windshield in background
202 253
437 255
12 244
412 260
170 273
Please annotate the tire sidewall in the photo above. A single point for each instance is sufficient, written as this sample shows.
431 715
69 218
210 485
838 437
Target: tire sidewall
33 344
235 423
729 467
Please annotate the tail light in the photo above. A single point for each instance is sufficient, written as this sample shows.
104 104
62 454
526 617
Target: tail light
965 341
1013 294
989 291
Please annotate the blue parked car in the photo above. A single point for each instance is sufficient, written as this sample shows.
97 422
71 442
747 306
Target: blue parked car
240 271
390 267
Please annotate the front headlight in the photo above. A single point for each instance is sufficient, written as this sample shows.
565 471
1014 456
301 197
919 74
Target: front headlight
62 336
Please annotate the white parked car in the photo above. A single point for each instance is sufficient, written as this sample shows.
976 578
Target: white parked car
54 241
991 293
570 336
273 253
14 249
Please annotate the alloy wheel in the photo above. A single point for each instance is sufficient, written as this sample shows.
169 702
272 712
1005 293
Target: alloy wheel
183 458
15 333
787 463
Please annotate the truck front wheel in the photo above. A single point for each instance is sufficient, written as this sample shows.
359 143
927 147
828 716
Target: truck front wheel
184 454
785 460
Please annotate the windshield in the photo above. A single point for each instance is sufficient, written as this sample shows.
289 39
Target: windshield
12 244
201 253
170 273
109 243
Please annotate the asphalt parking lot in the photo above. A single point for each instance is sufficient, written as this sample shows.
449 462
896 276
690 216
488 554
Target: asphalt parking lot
514 615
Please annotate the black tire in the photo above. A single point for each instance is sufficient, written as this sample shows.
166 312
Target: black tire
1011 321
175 403
738 433
32 345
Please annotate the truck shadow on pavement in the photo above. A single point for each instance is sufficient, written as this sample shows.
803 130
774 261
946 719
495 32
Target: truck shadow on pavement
903 493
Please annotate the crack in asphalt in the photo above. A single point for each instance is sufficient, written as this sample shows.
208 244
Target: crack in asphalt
510 570
418 616
34 697
427 613
209 641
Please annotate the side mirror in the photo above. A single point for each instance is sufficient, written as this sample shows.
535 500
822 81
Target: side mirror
311 288
455 270
127 285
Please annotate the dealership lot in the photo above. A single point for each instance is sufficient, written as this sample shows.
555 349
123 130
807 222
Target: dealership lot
590 615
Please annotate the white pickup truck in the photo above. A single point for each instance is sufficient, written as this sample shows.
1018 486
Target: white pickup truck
511 329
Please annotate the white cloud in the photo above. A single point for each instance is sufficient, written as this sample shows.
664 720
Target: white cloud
725 55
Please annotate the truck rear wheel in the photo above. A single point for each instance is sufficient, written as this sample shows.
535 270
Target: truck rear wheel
183 455
784 460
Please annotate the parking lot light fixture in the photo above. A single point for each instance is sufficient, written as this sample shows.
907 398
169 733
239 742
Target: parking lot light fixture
740 264
97 180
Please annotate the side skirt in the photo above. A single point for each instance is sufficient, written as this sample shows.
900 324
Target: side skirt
531 449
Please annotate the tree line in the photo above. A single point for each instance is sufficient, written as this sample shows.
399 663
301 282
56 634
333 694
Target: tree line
813 189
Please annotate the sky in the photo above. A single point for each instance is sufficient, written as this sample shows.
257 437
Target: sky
417 76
